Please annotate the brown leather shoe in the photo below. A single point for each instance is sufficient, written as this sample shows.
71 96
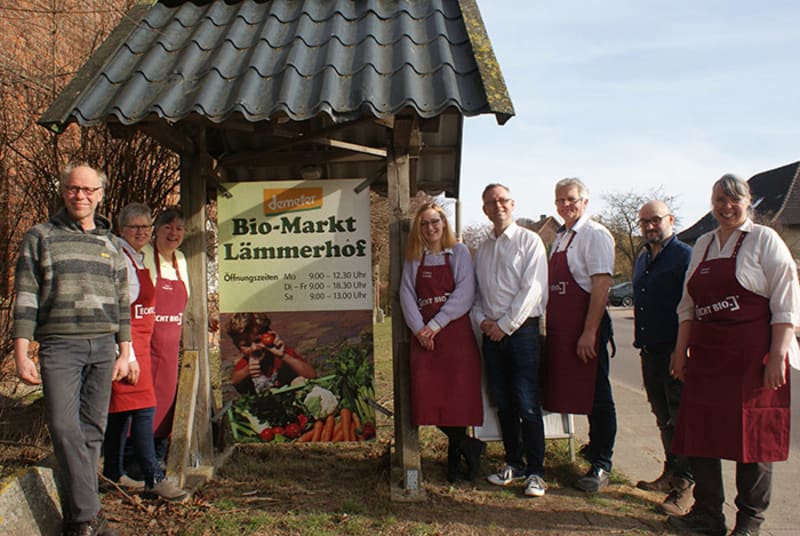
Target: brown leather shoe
663 483
680 498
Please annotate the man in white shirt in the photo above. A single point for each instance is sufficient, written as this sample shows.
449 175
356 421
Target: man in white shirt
510 296
579 328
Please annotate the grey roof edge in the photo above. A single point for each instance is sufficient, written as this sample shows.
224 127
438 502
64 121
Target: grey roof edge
60 113
493 82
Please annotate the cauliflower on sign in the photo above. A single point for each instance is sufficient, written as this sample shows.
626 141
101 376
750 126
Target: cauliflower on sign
320 402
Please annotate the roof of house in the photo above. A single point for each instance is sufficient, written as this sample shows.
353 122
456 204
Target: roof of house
263 60
775 198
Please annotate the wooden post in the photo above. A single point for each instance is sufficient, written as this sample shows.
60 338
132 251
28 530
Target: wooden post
406 437
194 169
180 445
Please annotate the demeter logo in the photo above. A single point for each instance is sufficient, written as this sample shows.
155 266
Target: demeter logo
293 200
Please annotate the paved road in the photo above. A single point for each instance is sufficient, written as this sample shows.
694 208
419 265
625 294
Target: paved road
638 451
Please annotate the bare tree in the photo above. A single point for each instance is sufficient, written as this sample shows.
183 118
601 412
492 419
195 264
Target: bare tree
621 217
44 42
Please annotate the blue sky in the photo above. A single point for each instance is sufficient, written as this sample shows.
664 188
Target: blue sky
636 95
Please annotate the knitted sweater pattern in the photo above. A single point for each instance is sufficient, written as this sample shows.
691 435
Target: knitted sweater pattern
70 282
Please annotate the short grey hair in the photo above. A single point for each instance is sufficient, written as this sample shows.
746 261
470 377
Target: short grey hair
69 168
734 187
133 210
583 191
495 185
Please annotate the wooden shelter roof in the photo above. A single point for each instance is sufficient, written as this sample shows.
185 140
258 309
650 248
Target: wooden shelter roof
275 83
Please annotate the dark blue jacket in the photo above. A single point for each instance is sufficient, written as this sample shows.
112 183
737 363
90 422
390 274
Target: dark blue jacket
657 289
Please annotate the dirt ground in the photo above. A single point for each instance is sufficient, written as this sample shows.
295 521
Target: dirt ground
344 488
290 488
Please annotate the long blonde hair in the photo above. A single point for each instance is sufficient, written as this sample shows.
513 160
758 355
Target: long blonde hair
415 247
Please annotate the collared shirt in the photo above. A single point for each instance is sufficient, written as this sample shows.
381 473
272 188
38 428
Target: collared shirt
133 278
657 289
511 275
167 268
590 253
458 302
764 266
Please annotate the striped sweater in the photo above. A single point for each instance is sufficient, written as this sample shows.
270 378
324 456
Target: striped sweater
71 283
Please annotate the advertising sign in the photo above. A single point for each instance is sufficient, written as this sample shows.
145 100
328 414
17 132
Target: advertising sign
295 292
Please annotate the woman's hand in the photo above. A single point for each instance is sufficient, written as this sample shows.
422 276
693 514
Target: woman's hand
677 364
425 338
775 372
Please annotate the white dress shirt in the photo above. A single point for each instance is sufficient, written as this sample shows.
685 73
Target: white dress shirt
511 278
764 266
590 253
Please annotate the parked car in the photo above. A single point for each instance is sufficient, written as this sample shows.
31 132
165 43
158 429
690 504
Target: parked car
621 294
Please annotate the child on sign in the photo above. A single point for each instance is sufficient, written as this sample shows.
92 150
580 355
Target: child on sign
266 361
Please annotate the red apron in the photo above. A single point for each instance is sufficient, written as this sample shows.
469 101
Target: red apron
445 383
171 298
569 382
124 396
725 410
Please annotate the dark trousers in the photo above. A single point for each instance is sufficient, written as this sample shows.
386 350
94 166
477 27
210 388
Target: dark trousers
140 424
603 419
664 396
753 490
76 377
512 374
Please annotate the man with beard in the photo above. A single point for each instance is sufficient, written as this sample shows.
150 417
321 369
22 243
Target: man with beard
658 284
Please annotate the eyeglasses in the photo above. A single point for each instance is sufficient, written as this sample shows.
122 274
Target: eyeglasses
428 223
138 228
655 220
88 191
498 201
568 200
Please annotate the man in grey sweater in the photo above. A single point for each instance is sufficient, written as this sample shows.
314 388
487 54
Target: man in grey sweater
72 297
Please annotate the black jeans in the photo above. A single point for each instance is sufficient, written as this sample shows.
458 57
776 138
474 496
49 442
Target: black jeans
753 490
664 396
603 419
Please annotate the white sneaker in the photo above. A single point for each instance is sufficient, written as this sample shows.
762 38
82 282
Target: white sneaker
169 491
505 475
535 486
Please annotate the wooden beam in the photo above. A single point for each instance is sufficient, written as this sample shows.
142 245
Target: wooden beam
183 423
194 170
169 136
355 147
406 455
310 157
250 158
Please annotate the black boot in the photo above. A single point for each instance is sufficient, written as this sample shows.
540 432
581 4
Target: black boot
472 449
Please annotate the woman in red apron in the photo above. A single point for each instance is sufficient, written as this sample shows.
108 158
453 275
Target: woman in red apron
133 401
436 293
735 402
171 296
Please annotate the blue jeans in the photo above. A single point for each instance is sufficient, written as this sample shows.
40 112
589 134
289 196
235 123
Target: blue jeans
512 374
76 378
140 424
603 419
664 395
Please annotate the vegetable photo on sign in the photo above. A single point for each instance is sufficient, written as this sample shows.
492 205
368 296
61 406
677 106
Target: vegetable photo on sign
321 392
